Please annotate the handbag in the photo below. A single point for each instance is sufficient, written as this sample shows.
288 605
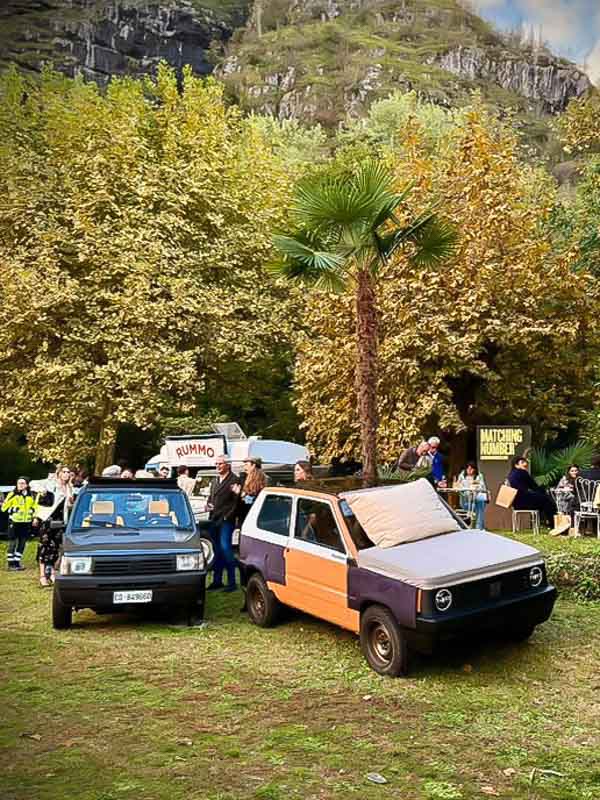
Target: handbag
506 496
562 524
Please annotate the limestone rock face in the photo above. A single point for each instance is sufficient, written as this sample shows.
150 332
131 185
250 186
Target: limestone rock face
542 78
100 38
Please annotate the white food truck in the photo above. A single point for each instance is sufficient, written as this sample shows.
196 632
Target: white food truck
199 452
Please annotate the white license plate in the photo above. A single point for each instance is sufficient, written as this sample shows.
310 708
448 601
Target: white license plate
133 597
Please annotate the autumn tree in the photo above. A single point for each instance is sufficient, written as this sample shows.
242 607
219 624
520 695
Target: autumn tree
133 225
504 332
346 232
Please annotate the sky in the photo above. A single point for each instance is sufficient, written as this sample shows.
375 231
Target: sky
570 27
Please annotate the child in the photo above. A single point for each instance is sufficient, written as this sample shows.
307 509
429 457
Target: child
47 554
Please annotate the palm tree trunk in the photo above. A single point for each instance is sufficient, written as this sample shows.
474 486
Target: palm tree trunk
366 372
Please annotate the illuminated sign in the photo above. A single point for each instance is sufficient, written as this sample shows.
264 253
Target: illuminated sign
499 444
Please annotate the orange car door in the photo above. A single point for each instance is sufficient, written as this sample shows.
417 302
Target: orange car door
316 565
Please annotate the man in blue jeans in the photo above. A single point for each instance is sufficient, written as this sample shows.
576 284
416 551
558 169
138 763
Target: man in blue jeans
223 502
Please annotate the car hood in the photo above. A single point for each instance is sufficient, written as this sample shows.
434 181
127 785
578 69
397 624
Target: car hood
103 539
449 559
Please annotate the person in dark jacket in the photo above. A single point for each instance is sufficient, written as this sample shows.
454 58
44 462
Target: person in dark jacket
530 496
223 502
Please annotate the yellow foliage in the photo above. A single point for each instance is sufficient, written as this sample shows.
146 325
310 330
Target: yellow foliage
579 126
505 332
132 230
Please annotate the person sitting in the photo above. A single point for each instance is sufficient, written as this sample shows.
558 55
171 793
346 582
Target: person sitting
530 496
475 495
566 493
415 457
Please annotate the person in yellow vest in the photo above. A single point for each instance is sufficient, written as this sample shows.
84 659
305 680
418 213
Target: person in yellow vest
21 506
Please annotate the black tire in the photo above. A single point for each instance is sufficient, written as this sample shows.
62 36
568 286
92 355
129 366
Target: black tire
383 643
261 604
62 615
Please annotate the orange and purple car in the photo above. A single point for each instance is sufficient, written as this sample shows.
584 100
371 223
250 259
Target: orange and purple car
392 564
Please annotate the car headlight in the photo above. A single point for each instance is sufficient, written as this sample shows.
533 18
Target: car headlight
207 549
75 565
536 576
189 561
443 599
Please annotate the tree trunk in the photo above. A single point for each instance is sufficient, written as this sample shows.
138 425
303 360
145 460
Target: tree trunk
107 440
366 373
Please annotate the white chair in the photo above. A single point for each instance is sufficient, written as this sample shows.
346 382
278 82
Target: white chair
534 520
587 491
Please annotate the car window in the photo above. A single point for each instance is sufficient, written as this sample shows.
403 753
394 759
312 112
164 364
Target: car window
275 514
357 533
315 523
144 509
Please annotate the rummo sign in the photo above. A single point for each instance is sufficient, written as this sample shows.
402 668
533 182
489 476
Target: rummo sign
194 451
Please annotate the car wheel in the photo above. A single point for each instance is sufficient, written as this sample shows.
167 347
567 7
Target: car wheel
262 605
382 642
62 615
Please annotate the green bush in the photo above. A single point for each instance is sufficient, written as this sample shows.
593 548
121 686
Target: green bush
573 565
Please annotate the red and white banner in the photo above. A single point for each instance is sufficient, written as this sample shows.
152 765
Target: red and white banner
194 452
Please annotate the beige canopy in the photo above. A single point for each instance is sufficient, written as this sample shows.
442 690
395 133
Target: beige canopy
392 515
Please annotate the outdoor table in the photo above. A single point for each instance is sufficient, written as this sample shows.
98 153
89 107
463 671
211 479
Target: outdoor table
456 491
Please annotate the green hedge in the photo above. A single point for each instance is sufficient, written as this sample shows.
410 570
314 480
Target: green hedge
573 565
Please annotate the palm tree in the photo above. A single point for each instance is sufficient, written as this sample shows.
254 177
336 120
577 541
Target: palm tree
345 229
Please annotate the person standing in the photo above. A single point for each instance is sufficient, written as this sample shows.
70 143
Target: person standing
185 483
21 506
437 460
254 483
223 502
414 458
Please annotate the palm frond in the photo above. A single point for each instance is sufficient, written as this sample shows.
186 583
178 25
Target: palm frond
361 201
548 467
305 261
435 240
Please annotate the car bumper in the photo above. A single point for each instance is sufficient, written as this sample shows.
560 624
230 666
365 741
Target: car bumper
89 591
510 614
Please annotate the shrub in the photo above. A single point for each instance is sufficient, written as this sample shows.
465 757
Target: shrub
573 565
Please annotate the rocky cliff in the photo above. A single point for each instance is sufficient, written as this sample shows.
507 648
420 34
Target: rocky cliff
327 59
318 60
100 38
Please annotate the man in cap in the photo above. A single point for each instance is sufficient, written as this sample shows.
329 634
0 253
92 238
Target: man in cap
223 502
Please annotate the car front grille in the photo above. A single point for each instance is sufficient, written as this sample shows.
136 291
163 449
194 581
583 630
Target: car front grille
149 565
510 584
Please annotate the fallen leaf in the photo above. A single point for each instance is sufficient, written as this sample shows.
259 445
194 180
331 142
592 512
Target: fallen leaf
375 777
35 736
489 790
368 697
509 771
186 742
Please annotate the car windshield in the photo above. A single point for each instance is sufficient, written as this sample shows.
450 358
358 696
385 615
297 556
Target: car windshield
145 509
359 537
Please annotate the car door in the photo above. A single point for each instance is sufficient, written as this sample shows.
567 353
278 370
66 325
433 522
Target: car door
316 564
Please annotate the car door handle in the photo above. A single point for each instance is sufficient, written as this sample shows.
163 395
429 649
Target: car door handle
339 557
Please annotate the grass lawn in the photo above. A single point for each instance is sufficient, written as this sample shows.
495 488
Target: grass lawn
120 708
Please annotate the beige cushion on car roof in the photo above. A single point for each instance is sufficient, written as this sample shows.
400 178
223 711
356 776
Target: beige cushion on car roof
103 507
392 515
158 507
